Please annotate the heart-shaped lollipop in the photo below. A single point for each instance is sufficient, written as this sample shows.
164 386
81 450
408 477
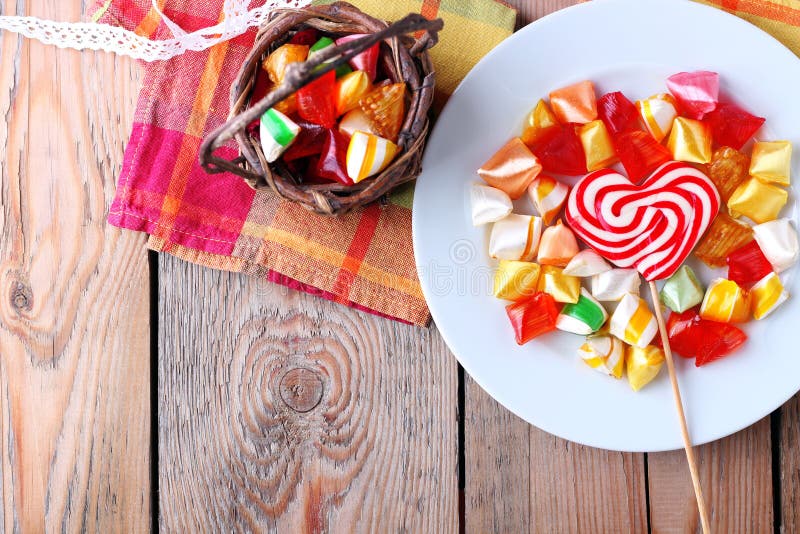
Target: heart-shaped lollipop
652 226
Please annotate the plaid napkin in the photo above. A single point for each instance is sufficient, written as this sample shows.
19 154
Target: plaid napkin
364 259
779 18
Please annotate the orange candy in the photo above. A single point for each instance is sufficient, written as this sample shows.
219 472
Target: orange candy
575 103
386 107
557 246
725 235
511 169
350 88
538 121
277 61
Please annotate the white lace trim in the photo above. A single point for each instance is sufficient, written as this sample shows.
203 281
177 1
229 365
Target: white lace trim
238 18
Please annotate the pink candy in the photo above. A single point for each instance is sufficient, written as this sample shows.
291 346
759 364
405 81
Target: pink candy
696 92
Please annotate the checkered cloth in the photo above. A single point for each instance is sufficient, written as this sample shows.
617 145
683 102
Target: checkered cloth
364 259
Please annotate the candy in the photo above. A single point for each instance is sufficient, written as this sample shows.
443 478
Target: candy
643 365
767 295
723 237
772 161
511 169
315 101
538 121
547 195
597 145
287 106
640 154
488 204
747 265
605 354
696 92
690 140
310 141
690 336
558 246
658 113
725 302
367 60
583 317
385 106
732 126
515 280
368 155
728 170
282 57
333 160
759 201
350 88
306 37
653 226
532 317
560 151
356 121
618 113
615 284
682 290
632 321
321 45
564 288
277 132
575 103
515 238
778 241
586 263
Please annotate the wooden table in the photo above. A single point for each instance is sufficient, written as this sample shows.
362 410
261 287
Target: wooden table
139 391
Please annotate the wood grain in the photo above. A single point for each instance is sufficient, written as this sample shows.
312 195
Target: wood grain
74 298
375 452
736 474
530 10
789 443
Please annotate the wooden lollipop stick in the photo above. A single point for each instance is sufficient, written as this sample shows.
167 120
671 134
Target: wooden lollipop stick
676 392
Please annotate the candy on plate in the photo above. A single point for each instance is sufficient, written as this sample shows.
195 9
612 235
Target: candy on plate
640 154
597 145
767 295
586 263
488 204
732 126
511 169
315 100
350 88
618 113
747 265
682 290
759 201
778 242
532 317
277 132
385 106
690 140
658 112
575 103
612 285
696 92
538 121
728 170
367 60
643 365
560 151
633 322
548 196
772 161
562 287
516 237
725 302
558 246
583 317
515 280
725 235
706 341
605 354
368 155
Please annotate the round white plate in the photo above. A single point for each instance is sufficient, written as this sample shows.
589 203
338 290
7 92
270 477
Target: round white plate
630 46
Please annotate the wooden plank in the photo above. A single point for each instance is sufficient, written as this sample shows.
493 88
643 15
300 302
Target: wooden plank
74 294
789 442
530 10
281 411
736 473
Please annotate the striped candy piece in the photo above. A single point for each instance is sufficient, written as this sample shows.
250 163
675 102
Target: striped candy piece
633 323
657 113
584 317
767 295
277 132
368 155
725 302
547 195
604 354
515 237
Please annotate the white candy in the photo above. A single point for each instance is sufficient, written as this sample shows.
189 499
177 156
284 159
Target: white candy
633 322
604 354
285 130
615 284
778 242
586 263
657 115
515 238
489 204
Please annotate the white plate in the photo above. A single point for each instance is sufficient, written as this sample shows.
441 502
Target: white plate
631 46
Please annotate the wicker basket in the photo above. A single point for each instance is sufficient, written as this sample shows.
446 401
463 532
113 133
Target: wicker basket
403 59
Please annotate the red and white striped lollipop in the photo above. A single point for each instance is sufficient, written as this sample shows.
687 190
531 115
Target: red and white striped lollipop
652 226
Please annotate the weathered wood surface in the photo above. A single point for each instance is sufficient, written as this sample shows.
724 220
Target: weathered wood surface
74 294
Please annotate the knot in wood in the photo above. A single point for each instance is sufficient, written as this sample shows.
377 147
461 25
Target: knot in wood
21 296
301 389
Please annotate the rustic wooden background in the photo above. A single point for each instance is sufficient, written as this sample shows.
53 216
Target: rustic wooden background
139 392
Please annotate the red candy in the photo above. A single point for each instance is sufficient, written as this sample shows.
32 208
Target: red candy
532 317
333 159
618 113
315 101
696 92
747 265
707 341
732 126
310 141
640 154
560 151
305 37
366 60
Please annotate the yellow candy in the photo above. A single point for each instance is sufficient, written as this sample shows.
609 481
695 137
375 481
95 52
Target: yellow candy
632 321
276 63
562 287
538 121
759 201
350 88
767 295
515 280
690 140
597 145
772 161
725 302
643 365
368 155
605 354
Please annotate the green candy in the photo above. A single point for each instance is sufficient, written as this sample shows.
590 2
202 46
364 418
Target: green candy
584 317
322 44
682 290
